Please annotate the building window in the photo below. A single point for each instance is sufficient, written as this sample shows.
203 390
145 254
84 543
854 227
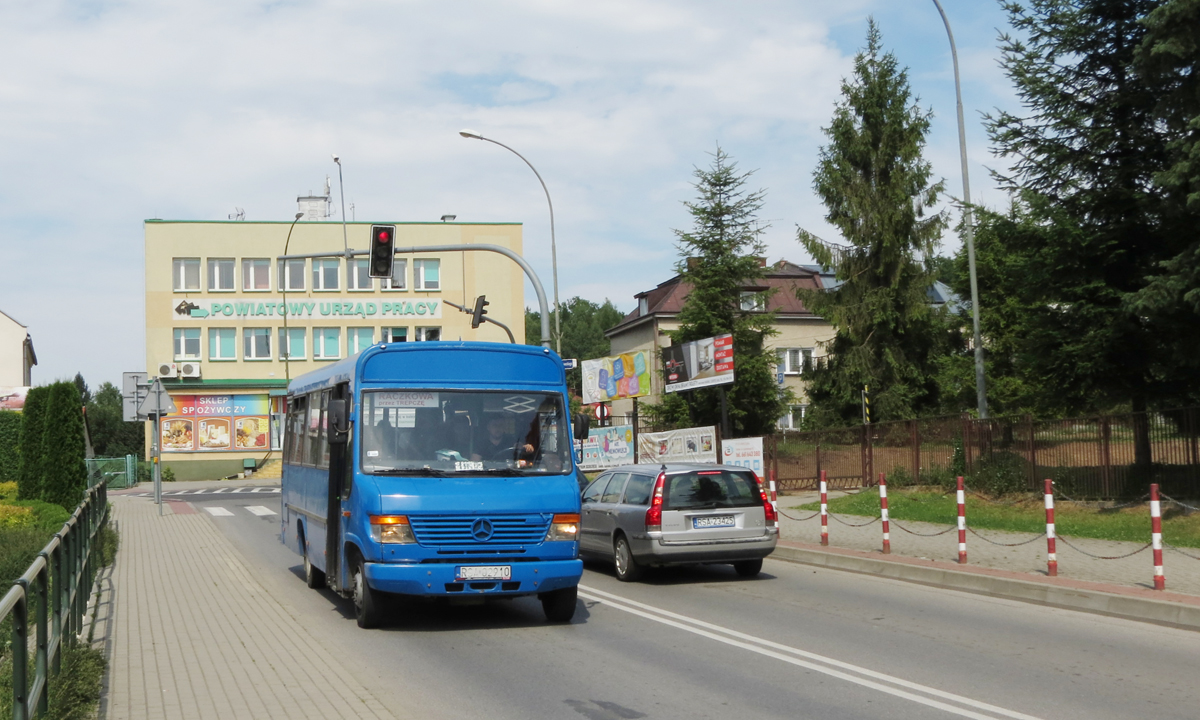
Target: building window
426 274
256 274
794 419
291 275
399 278
220 275
643 306
790 361
393 335
428 334
187 343
327 343
222 343
186 272
325 274
753 302
256 343
356 275
359 339
291 343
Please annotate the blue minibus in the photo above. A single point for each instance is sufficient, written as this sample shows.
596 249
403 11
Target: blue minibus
434 469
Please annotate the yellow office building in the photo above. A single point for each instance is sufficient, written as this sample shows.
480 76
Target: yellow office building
227 323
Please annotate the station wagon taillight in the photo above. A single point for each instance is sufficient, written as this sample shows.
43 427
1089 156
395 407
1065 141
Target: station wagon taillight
769 509
654 514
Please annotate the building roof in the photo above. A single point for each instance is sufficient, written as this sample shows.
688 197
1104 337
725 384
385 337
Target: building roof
784 277
10 317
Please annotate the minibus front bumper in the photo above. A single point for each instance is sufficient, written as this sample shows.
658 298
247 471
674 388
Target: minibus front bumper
443 579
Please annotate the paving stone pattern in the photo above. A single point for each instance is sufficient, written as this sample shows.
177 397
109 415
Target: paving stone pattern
1182 572
194 635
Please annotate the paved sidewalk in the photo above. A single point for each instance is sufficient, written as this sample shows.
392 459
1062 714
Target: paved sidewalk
192 634
1182 572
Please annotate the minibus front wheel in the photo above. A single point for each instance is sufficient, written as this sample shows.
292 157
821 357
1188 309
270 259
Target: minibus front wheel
559 605
367 609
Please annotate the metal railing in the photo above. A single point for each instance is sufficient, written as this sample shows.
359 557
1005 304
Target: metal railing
58 583
119 472
1101 456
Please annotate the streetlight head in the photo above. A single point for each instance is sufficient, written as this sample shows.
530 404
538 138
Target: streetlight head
299 215
336 159
448 218
470 134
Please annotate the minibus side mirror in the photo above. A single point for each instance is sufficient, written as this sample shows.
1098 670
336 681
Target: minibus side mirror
582 424
339 425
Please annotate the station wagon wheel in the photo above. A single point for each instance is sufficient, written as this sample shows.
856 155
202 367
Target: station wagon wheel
366 600
748 568
626 566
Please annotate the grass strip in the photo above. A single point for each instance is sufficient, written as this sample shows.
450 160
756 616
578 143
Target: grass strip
1025 515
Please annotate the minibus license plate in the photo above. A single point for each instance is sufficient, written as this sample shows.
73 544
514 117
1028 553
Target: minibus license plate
485 572
713 521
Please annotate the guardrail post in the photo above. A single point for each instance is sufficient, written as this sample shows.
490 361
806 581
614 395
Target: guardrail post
962 522
20 653
883 514
824 511
1051 556
1160 582
56 622
40 664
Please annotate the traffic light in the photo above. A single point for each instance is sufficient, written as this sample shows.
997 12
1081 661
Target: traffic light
480 310
383 250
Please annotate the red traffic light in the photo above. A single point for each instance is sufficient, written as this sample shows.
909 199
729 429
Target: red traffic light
383 236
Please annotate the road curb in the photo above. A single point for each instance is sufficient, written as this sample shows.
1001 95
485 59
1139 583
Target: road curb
1120 603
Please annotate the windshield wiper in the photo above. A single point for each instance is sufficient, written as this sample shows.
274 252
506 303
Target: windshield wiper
415 471
500 472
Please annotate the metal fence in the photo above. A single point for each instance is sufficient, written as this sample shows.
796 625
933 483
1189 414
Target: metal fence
54 590
1104 456
119 472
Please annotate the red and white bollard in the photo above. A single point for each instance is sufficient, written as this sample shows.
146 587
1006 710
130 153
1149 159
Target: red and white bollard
774 498
962 523
824 512
1160 582
1051 556
883 515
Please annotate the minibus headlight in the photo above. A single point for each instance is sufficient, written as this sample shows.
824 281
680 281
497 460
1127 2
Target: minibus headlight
565 526
391 529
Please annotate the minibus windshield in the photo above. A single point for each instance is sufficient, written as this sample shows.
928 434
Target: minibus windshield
450 432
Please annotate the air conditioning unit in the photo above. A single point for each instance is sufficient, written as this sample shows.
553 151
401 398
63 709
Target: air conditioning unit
189 369
168 370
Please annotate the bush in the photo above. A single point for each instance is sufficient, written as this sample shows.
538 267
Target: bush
1000 473
64 479
168 475
8 491
18 548
15 516
10 445
75 691
30 465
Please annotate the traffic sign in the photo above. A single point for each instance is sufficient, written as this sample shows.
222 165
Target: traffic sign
157 401
601 411
133 392
570 363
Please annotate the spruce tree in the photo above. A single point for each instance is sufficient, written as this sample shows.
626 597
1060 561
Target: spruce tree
876 185
63 447
30 464
1087 148
721 260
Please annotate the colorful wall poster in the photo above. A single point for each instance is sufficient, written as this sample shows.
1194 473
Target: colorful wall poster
744 452
688 445
177 435
251 433
697 364
218 423
622 376
607 447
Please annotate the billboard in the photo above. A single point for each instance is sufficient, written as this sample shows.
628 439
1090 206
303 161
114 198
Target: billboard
697 364
217 423
693 445
607 447
744 452
622 376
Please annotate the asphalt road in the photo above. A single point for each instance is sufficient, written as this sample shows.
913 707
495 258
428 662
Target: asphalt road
703 643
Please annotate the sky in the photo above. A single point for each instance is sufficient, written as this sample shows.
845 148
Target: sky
115 112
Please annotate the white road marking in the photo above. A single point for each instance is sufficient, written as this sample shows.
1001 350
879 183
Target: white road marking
260 511
812 661
217 511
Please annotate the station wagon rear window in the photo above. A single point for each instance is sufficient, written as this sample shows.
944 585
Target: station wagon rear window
701 489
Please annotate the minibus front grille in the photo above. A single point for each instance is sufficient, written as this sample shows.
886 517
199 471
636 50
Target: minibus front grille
465 530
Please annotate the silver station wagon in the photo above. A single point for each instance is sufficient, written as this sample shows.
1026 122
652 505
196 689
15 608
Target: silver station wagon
642 516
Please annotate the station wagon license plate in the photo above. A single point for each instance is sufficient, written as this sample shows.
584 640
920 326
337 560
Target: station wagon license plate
713 521
485 572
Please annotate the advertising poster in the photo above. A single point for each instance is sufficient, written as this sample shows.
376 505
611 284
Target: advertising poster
744 452
622 376
217 423
697 364
697 445
607 447
12 398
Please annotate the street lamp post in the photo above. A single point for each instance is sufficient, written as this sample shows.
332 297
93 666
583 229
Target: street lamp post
980 385
283 283
553 247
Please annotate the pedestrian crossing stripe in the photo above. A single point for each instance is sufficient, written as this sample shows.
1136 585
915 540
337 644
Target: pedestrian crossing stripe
218 491
218 511
259 510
